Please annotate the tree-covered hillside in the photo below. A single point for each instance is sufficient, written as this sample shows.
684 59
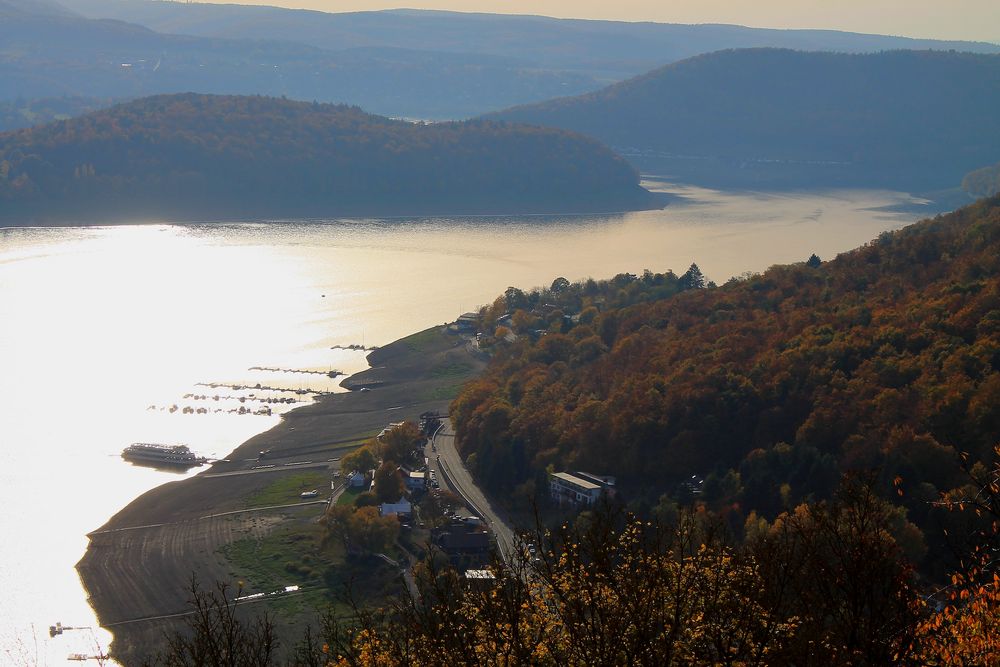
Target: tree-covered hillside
886 358
910 120
197 156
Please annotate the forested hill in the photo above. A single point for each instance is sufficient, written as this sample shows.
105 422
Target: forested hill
911 120
886 358
198 156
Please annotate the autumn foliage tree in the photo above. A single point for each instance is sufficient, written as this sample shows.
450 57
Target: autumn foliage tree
610 589
399 443
825 584
360 530
389 485
363 459
965 628
885 358
837 568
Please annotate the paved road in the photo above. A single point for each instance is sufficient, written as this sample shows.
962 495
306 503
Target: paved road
466 487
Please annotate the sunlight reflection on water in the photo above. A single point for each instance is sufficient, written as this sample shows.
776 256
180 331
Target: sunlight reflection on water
98 324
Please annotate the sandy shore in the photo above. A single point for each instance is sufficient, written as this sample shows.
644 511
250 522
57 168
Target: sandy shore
138 566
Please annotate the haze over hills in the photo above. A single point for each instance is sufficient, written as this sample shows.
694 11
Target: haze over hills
909 120
605 49
190 157
42 7
15 114
409 64
47 54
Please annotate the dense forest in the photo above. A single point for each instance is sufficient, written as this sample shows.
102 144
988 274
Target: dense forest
757 395
198 156
909 120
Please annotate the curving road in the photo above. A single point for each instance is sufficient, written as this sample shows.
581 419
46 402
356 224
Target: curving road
458 477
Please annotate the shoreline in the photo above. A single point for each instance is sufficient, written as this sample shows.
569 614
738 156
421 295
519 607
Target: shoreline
650 201
138 566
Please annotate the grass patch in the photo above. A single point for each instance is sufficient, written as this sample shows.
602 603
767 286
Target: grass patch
349 495
452 370
423 341
356 439
292 554
286 489
295 554
446 391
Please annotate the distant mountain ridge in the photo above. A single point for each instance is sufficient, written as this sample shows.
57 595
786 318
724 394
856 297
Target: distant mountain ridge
403 63
46 54
910 120
198 157
615 49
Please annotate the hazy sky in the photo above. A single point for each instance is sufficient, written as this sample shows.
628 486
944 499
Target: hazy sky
952 19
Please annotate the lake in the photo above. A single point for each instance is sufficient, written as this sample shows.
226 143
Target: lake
107 332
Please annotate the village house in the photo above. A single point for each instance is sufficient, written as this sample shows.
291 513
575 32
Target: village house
467 322
461 540
415 481
401 509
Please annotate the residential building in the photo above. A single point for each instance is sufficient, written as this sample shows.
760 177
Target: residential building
356 480
454 540
567 488
606 482
415 481
479 580
401 508
467 322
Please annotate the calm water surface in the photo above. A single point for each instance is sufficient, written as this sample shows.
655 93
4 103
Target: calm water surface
104 330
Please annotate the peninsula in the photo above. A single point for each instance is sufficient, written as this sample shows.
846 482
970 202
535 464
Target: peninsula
207 157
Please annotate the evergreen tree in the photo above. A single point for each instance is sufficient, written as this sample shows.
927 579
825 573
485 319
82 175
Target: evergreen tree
693 278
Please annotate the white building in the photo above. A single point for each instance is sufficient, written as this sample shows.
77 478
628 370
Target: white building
567 488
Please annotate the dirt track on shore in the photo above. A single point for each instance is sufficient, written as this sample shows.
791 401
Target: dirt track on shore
139 565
